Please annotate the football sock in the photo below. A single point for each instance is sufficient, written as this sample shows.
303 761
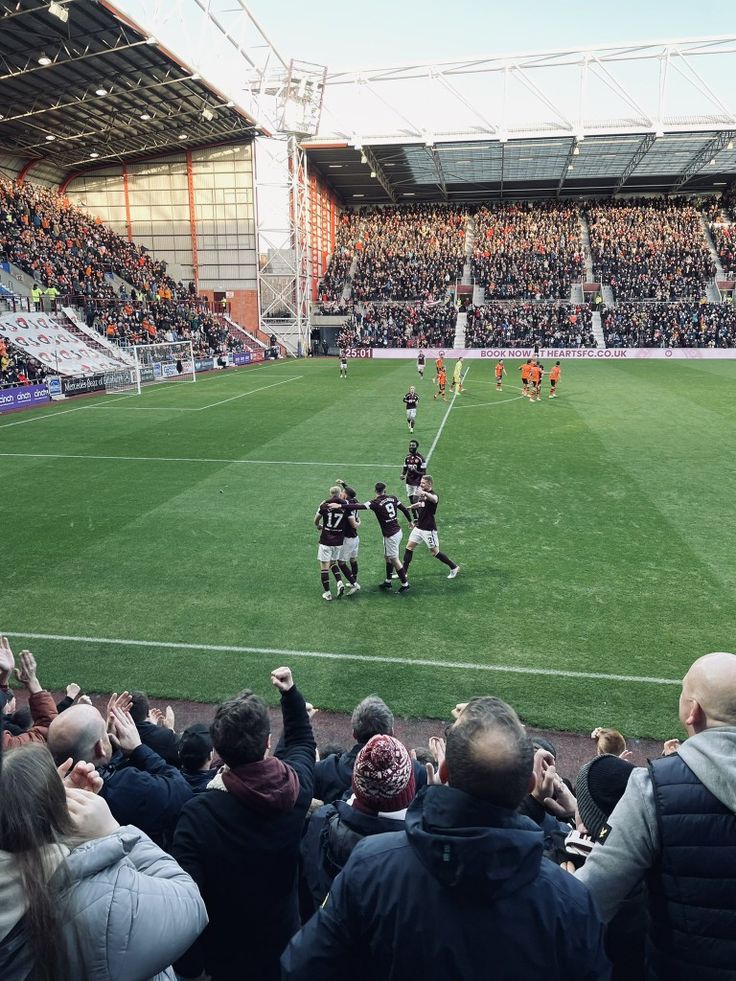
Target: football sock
443 558
347 573
408 556
389 570
402 575
354 568
336 573
325 577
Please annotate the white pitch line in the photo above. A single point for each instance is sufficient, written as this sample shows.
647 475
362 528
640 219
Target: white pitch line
252 392
444 420
480 405
190 459
380 659
48 415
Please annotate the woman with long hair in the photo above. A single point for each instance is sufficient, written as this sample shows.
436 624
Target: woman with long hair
81 897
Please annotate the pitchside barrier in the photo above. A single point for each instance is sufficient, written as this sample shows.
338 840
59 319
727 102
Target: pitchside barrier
548 353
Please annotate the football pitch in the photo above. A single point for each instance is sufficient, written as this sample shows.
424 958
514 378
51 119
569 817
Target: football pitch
166 542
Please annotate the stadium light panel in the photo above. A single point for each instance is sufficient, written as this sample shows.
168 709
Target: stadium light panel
373 173
208 114
359 195
94 154
713 162
729 145
50 137
57 10
43 59
183 136
100 91
145 116
576 152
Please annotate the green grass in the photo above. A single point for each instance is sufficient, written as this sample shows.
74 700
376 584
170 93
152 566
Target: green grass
594 534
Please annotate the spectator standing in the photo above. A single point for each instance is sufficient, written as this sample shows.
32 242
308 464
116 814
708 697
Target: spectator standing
464 891
239 840
156 730
40 702
196 757
138 786
81 897
333 776
675 827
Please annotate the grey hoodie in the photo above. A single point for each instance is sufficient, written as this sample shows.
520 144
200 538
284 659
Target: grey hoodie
613 869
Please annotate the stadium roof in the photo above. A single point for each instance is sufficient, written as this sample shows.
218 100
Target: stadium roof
526 168
81 85
648 117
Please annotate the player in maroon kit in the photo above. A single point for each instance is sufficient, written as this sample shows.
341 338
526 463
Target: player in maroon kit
410 400
425 529
413 471
330 519
386 508
348 560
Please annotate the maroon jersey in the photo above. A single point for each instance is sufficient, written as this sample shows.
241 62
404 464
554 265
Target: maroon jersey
386 508
411 399
425 516
333 523
414 468
351 532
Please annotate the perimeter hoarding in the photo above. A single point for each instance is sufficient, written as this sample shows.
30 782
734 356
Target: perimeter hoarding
23 397
549 353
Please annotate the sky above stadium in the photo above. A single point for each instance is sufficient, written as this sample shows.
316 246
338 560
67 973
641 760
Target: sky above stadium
345 34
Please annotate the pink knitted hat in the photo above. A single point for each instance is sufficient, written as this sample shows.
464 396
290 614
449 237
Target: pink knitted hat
383 776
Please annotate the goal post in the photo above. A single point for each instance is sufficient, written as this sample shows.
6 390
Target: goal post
170 361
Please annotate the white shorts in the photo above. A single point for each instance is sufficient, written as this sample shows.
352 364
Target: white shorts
391 545
412 490
411 413
328 553
349 549
420 369
430 538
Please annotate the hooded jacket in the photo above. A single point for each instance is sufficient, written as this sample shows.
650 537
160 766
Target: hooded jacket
462 894
331 834
633 850
239 840
129 911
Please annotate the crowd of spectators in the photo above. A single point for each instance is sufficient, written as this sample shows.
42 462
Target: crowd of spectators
526 324
528 250
17 367
129 850
684 324
413 252
400 325
649 248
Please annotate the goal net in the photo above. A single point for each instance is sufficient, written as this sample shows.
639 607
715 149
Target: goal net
156 363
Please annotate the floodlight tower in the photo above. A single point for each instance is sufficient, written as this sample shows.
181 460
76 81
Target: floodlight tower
282 199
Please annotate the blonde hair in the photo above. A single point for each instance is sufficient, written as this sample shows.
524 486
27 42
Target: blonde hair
609 741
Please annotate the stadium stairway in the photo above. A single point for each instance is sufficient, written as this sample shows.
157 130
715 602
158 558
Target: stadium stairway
15 279
72 322
347 290
469 246
597 329
607 294
587 253
243 335
576 294
117 282
479 295
720 274
460 326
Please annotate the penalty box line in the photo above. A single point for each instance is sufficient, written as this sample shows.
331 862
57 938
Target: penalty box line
193 459
363 658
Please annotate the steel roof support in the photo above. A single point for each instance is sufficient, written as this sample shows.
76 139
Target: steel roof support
641 151
707 153
380 173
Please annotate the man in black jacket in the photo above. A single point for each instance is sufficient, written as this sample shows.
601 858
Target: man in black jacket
138 786
160 738
239 839
464 891
334 775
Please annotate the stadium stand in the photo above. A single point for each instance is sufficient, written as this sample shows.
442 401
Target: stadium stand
400 325
528 250
684 324
650 248
524 324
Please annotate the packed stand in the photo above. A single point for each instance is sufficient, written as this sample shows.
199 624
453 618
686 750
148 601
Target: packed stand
415 252
337 275
400 325
670 325
525 324
649 249
528 250
721 213
17 367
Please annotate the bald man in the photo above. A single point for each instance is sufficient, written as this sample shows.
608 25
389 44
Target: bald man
139 787
675 828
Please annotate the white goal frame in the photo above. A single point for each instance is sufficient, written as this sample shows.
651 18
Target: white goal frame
156 363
